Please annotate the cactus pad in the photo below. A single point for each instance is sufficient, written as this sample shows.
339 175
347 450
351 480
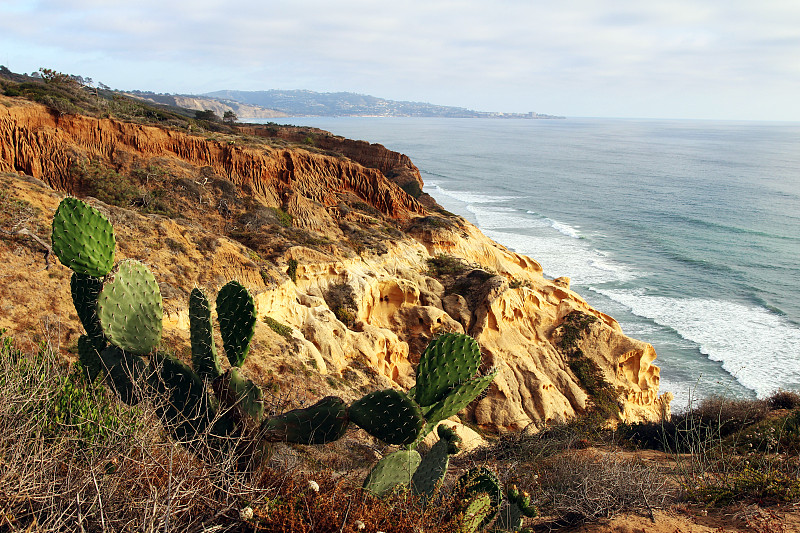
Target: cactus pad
325 421
389 415
129 308
476 511
458 398
394 469
201 333
236 312
83 239
516 507
431 471
89 358
187 411
237 392
447 361
481 480
85 290
125 371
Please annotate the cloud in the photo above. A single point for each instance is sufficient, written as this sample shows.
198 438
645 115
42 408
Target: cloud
486 55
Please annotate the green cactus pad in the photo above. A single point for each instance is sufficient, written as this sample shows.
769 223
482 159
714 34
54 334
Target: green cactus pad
447 361
89 358
129 308
481 480
476 511
186 411
517 506
393 470
85 291
431 471
125 371
458 398
325 421
201 334
389 415
236 312
83 239
236 392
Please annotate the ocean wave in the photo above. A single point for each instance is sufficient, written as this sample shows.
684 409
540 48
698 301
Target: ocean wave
757 347
728 228
561 227
565 257
471 197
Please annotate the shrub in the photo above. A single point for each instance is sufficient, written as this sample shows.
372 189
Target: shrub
281 329
784 399
292 270
284 218
446 265
341 301
581 487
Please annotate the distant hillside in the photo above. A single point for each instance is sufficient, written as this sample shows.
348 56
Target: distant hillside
310 103
201 103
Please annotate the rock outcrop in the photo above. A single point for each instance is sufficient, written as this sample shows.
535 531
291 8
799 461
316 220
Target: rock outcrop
390 300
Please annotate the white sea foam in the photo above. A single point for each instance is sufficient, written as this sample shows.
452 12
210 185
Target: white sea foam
495 217
759 348
566 229
560 256
469 197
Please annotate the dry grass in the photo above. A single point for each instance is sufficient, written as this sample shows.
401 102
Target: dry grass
74 458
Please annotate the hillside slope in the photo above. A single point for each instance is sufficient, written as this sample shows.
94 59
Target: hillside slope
364 269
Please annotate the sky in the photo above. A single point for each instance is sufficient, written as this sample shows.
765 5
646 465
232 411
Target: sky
690 59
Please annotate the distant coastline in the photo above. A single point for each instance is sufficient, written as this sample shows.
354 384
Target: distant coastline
300 103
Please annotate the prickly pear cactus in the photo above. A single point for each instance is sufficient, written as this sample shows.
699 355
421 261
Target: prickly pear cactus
323 422
187 410
389 415
237 393
83 239
129 308
448 360
458 398
393 470
517 506
85 291
431 471
126 371
481 480
476 511
236 312
201 334
89 358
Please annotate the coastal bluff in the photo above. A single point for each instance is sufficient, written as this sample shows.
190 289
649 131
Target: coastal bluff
352 267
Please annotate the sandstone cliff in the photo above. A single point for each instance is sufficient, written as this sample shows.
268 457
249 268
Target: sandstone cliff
329 245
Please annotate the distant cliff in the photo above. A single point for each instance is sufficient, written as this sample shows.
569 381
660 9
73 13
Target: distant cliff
344 104
331 245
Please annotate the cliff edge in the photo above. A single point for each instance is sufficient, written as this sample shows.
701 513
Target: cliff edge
339 246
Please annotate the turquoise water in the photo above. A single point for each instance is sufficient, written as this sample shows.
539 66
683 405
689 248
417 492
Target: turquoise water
687 232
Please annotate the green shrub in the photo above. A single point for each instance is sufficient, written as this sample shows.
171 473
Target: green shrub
284 218
292 270
412 188
446 265
281 329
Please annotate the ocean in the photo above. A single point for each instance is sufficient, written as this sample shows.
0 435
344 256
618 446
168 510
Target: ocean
686 232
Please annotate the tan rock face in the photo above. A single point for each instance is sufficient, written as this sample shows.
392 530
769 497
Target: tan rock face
397 307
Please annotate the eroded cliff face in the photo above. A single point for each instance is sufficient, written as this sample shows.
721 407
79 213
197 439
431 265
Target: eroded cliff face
397 303
45 146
